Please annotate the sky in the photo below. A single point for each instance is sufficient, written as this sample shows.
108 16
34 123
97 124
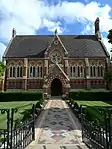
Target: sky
33 17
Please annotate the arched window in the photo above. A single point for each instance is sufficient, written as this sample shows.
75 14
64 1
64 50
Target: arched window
78 71
36 71
91 71
98 71
70 71
101 71
81 71
32 71
12 71
94 71
19 71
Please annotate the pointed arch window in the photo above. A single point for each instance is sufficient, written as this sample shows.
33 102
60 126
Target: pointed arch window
78 71
19 71
100 71
12 71
32 71
93 71
35 71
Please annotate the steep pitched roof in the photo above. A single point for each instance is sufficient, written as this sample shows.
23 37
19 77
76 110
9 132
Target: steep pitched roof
78 46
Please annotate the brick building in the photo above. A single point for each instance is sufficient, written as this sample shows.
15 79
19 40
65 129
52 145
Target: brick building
55 63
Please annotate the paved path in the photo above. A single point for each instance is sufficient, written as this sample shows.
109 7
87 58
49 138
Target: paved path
57 127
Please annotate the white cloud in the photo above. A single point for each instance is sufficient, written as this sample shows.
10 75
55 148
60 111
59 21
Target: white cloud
52 25
2 49
107 44
27 16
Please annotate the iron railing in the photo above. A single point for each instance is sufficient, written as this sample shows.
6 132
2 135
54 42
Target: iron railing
94 134
17 137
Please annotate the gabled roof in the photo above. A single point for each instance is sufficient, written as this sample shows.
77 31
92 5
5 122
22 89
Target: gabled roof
78 46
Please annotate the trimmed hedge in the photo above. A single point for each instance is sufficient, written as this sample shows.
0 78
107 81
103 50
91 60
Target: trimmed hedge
91 95
20 96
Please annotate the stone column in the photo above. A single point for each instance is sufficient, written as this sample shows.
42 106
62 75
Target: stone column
46 67
25 73
66 67
87 74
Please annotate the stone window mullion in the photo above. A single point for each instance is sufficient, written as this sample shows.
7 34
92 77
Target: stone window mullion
36 71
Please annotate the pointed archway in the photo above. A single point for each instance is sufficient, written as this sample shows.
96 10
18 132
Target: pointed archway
56 87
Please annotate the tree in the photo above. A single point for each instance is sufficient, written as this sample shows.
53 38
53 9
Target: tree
109 36
108 79
2 68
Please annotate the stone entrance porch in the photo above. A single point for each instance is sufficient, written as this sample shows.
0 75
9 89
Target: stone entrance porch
56 85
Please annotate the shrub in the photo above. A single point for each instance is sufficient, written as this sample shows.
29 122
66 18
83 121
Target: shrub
92 95
20 96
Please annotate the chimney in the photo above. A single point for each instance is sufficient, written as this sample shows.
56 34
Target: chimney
97 29
13 33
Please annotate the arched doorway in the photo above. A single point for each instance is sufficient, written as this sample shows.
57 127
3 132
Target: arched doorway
56 87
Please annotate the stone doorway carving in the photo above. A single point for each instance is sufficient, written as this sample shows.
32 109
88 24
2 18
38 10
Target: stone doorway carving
56 87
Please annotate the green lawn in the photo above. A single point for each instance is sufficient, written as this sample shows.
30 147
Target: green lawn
93 103
92 112
22 106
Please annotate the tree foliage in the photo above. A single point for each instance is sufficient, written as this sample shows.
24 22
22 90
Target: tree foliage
108 77
110 36
2 68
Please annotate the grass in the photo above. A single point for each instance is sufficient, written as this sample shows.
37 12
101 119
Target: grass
93 103
22 106
92 112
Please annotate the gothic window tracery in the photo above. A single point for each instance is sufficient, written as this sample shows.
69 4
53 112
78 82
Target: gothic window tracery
35 71
12 71
19 71
76 71
96 71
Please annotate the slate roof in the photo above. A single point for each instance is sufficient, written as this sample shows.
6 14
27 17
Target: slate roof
78 46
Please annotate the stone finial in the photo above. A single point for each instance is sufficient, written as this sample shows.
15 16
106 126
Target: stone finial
13 32
97 25
97 28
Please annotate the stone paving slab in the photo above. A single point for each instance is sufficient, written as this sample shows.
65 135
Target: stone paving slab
57 128
74 146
